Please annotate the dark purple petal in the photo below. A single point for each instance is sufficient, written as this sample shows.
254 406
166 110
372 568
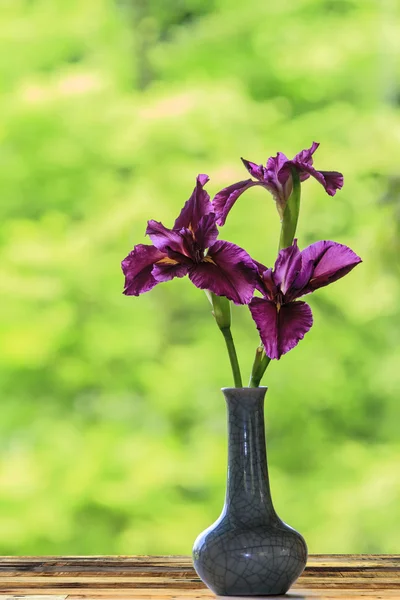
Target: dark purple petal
330 180
275 164
330 262
226 198
303 161
256 171
265 316
183 259
207 231
163 238
279 180
260 267
333 181
301 281
196 207
306 156
287 267
275 177
280 330
167 269
294 320
262 285
268 286
227 271
137 268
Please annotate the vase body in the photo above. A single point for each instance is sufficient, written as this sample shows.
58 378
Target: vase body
248 551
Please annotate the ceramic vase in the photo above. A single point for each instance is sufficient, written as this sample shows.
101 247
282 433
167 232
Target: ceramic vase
249 550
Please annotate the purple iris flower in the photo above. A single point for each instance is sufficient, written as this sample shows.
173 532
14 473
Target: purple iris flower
282 320
191 248
276 177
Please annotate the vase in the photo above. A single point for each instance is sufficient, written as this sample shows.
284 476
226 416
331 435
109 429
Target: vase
249 550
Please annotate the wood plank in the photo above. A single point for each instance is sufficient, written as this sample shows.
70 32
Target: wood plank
173 578
177 594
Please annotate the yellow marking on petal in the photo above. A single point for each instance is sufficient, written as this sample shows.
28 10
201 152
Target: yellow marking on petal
167 261
209 259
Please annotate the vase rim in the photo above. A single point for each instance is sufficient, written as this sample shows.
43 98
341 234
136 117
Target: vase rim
248 389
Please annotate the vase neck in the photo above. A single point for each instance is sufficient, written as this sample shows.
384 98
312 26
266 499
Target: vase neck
248 497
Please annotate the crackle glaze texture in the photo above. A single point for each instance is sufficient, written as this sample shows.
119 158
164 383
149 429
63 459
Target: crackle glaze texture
248 551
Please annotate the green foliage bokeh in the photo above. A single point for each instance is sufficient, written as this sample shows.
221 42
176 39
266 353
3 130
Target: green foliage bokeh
112 425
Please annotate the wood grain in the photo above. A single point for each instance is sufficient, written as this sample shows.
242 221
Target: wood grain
351 577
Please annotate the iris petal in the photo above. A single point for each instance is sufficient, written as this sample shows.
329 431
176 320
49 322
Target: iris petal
256 171
330 180
207 231
268 288
333 181
265 316
280 329
276 163
196 207
287 267
163 238
306 156
330 261
137 268
227 271
168 269
265 280
294 320
226 198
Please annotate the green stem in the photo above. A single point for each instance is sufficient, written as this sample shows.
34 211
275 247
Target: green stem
288 231
237 378
291 213
260 365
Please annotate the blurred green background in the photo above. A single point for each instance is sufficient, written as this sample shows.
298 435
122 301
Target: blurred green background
112 425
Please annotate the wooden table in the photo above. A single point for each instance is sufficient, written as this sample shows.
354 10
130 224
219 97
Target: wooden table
173 578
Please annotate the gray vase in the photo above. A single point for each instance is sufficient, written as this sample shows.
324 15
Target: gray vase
248 551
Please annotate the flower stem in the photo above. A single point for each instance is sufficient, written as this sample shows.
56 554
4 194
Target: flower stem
288 231
237 378
222 315
291 214
261 362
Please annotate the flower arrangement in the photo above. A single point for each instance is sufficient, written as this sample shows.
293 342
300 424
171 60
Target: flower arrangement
229 274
